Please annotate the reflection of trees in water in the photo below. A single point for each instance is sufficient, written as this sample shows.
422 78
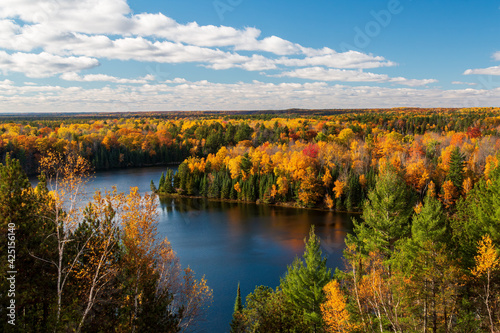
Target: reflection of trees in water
285 225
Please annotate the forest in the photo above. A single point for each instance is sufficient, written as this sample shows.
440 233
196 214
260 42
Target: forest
423 257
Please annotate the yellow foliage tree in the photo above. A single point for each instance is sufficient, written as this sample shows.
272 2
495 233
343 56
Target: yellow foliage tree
328 201
338 188
487 263
449 194
327 178
334 311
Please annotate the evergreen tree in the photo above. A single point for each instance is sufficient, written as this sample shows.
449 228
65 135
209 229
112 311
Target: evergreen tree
478 214
432 272
233 195
152 186
237 324
161 184
238 306
303 284
430 223
22 213
204 186
456 172
386 214
169 180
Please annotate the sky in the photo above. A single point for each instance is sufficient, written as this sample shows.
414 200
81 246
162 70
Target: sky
171 55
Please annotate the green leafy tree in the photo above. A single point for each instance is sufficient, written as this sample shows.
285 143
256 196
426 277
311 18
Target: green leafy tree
269 310
303 284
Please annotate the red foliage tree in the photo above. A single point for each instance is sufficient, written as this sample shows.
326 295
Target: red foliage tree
311 150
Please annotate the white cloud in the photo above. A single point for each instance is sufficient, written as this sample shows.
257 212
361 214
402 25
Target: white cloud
495 70
83 27
466 83
347 75
43 64
330 58
181 94
73 34
72 76
496 55
411 82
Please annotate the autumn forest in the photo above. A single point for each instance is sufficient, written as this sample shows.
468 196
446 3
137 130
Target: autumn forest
423 255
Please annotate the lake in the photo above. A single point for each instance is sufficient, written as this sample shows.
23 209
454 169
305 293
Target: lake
231 242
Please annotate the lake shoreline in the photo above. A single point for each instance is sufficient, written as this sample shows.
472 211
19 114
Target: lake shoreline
278 204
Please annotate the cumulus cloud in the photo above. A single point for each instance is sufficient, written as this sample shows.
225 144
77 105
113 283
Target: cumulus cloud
329 58
84 27
181 94
495 70
72 76
64 37
43 64
496 55
347 75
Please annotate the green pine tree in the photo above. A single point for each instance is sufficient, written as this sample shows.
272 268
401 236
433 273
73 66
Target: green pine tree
237 324
161 184
238 306
23 215
169 181
303 283
386 214
430 223
456 172
478 214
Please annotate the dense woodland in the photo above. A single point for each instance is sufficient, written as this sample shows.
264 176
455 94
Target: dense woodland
424 253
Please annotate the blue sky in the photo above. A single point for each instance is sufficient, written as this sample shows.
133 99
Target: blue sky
118 55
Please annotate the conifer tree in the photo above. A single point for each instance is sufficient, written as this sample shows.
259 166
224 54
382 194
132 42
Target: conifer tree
161 184
238 306
237 324
430 223
20 211
456 171
386 214
303 284
477 215
169 180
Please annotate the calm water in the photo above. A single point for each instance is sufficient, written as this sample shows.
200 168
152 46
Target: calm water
231 242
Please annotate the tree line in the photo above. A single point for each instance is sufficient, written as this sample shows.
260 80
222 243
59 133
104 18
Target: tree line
136 140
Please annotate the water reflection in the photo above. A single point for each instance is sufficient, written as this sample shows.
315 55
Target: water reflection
249 243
